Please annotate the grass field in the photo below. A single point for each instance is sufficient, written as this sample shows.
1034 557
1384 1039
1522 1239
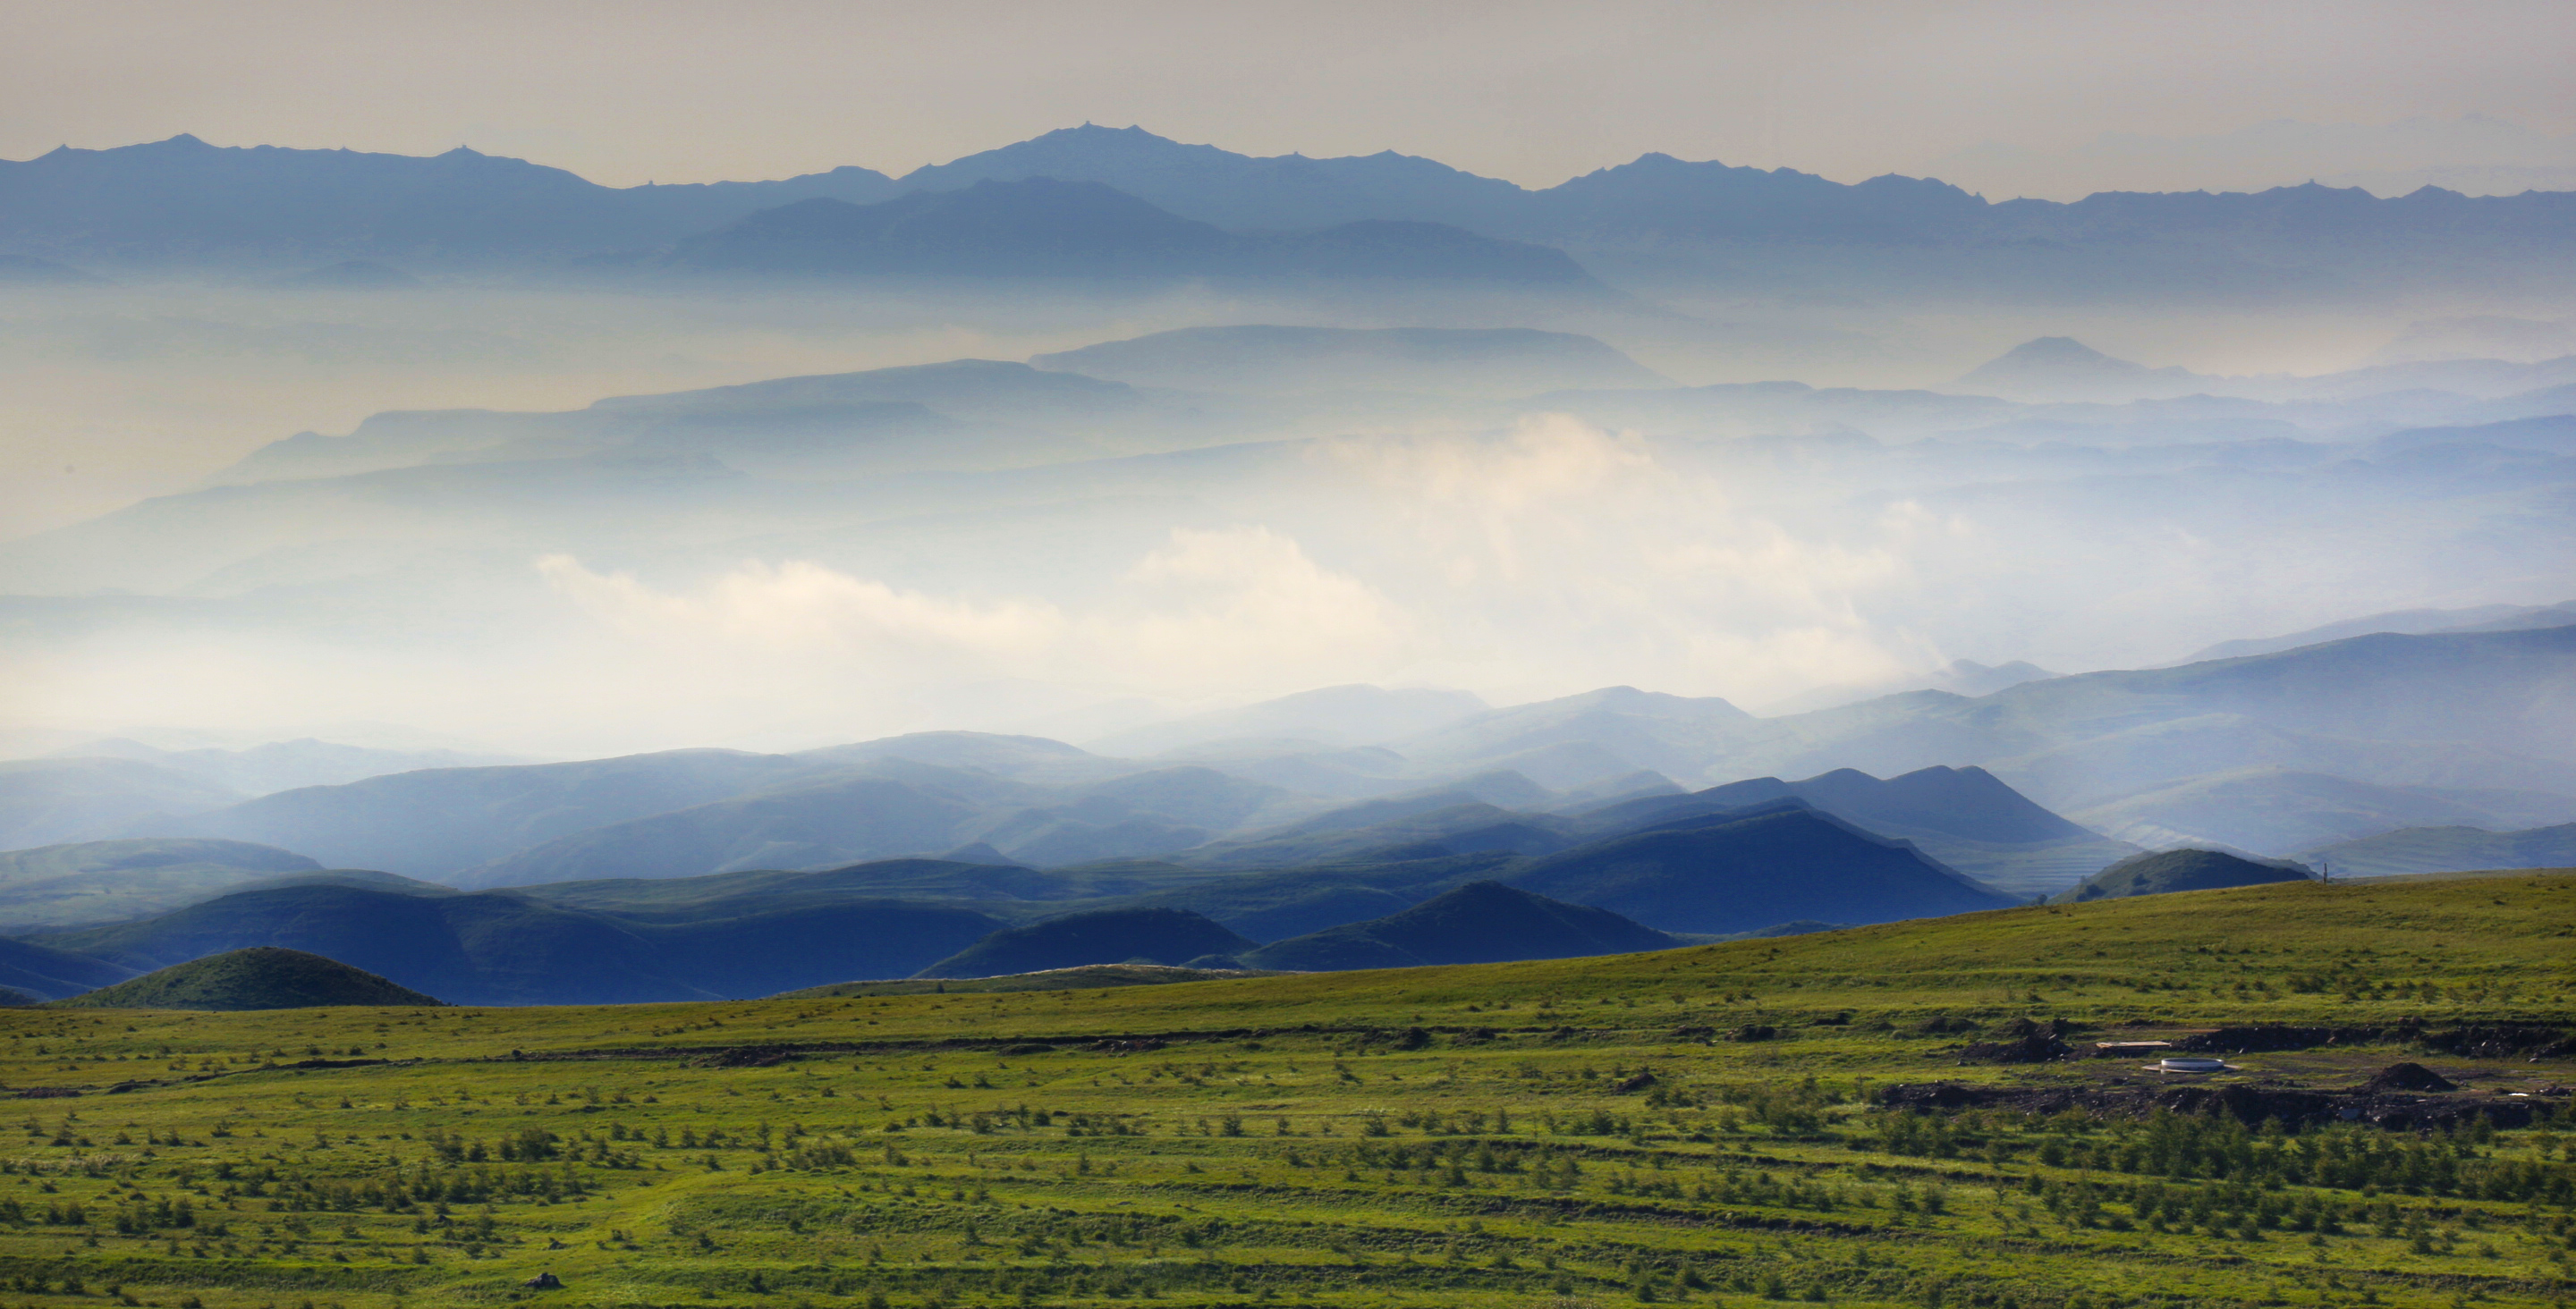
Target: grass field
1528 1134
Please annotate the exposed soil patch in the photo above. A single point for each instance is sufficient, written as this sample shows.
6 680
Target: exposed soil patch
2502 1041
2031 1043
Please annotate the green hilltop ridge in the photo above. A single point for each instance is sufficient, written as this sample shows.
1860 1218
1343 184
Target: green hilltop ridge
2164 871
261 977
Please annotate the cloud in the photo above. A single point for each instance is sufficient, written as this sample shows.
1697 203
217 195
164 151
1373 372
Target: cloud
1241 611
1561 555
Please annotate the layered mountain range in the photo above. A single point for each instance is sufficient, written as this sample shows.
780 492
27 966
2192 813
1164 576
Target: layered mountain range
625 869
184 201
701 873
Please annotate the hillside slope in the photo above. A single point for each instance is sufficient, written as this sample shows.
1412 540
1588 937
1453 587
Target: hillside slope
58 801
1966 818
2416 850
1481 922
503 949
100 881
1108 936
1741 874
2164 872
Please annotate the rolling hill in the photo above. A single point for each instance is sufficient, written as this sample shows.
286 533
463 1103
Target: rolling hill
1108 936
262 977
97 881
1740 874
437 822
1481 922
504 949
2165 871
2276 811
1967 818
45 972
56 801
1263 360
2414 851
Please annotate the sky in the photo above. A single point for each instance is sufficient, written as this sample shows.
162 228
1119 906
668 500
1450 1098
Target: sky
1534 92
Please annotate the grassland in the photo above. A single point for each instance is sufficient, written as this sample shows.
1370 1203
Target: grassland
1551 1133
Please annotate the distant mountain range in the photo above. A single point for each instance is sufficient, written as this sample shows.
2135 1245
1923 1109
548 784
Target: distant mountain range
626 889
182 200
2059 370
2416 851
735 934
1481 922
2410 622
2280 811
1263 360
1105 936
500 949
2235 752
1047 230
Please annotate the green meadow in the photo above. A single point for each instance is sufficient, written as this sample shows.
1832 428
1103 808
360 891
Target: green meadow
1701 1126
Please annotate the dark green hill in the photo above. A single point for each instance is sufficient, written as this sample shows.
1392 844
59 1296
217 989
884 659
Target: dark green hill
1741 874
2414 851
261 977
1105 936
499 948
2166 871
1479 923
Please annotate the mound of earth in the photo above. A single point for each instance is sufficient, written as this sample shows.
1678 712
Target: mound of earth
2409 1077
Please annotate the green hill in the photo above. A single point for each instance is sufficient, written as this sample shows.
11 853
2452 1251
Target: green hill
2165 871
1107 936
1481 922
262 977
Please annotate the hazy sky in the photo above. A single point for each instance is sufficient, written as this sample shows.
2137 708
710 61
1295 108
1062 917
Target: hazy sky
629 91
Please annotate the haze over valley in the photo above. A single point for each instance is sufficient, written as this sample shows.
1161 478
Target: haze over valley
1102 524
